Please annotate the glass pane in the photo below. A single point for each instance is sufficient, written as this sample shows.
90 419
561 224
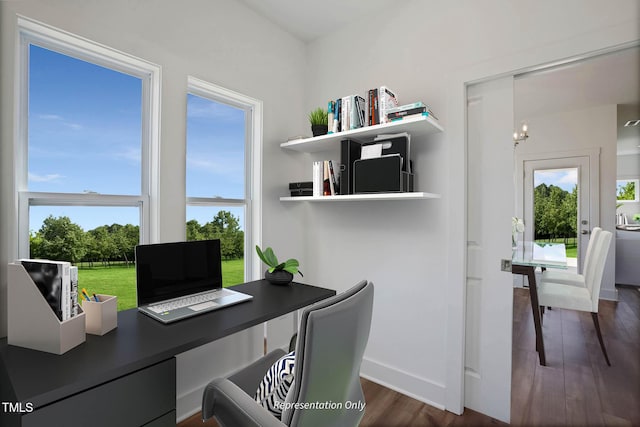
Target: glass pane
215 149
99 240
555 207
85 126
226 224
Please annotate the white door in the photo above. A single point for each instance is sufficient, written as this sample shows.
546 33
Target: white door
490 206
586 164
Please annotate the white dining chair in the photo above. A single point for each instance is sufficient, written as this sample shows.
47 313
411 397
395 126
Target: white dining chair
560 295
574 279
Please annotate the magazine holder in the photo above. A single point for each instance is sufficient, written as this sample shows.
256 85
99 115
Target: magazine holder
32 323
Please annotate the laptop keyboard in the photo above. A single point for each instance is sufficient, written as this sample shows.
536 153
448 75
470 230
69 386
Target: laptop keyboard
199 302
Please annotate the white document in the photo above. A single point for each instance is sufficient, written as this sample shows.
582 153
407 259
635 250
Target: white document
371 151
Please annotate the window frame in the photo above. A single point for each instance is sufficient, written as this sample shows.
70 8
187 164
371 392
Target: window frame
636 195
252 167
31 32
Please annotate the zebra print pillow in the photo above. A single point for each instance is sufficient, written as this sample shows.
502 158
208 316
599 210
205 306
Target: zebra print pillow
275 385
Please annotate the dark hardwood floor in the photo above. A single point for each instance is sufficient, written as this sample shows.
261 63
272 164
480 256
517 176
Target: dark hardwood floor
576 388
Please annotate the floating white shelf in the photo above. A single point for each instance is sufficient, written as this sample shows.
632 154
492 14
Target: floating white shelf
418 127
416 195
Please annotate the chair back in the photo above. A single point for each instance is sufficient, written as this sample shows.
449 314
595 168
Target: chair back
332 338
595 235
593 278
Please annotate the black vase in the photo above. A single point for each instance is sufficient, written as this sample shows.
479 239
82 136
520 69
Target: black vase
278 277
318 130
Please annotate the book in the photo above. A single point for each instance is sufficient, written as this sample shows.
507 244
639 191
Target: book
53 280
299 185
386 100
333 180
346 113
317 179
74 290
302 192
331 105
411 116
398 114
418 104
358 112
326 188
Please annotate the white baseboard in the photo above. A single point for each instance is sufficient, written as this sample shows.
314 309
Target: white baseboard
189 403
422 389
609 294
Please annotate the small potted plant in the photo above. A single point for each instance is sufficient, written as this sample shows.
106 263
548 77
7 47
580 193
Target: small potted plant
318 119
278 273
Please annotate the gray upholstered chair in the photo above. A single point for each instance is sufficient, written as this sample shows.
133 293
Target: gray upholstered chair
331 341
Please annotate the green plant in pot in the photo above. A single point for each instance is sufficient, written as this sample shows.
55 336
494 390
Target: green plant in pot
278 273
318 119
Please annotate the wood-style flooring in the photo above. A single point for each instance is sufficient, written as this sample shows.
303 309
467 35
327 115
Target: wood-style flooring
576 388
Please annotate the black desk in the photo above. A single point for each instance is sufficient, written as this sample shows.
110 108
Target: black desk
137 357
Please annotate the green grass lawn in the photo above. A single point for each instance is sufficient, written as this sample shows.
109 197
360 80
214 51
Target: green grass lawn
120 280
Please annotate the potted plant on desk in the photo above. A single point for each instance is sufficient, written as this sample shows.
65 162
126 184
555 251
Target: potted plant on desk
278 273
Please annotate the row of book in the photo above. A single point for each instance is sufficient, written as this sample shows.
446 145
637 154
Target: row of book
325 181
356 111
57 281
326 178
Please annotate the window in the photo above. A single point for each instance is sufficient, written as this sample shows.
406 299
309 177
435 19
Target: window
221 165
627 190
86 149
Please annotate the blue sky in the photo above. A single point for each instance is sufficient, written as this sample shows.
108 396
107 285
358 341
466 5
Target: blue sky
563 178
85 136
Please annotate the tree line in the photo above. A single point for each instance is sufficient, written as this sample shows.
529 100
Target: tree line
61 239
555 212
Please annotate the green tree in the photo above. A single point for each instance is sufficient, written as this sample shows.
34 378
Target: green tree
61 240
224 226
194 230
628 191
555 212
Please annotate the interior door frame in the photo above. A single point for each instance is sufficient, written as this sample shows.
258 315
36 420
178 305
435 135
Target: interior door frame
593 155
598 42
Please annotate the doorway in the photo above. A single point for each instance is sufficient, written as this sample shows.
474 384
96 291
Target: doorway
557 203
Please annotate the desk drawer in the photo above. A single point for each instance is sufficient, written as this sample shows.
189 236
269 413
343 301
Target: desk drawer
132 400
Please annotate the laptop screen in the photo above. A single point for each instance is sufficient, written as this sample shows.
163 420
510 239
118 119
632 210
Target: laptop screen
172 270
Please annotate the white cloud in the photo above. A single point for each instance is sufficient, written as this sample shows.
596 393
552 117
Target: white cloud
563 178
48 117
44 178
58 118
132 154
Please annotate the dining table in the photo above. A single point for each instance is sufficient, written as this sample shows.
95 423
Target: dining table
526 257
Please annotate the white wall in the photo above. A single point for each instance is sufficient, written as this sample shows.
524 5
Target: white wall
419 49
221 42
577 130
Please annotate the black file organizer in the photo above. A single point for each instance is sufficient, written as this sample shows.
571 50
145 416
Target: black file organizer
381 175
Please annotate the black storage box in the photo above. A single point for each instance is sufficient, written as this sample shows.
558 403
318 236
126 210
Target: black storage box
381 175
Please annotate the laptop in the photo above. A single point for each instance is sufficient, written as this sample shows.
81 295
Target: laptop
179 280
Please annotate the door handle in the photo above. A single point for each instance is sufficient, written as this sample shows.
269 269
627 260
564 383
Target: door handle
585 232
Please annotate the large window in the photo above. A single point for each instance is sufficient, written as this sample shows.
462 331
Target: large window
219 170
86 150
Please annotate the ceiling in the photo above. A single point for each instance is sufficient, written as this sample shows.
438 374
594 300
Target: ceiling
308 20
612 78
